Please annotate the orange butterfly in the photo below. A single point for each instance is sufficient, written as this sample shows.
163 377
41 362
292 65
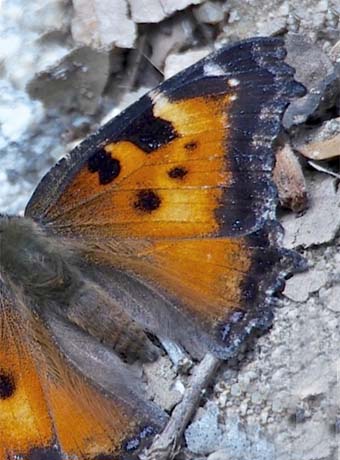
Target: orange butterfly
162 223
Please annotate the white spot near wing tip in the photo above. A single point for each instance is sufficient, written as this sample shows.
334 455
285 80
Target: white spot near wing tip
233 97
153 94
159 100
233 82
211 69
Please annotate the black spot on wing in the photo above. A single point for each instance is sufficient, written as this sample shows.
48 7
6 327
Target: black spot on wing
191 146
147 201
149 132
178 172
108 168
7 385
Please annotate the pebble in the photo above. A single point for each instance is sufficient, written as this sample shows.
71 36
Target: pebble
331 298
321 222
301 285
209 12
221 455
110 24
204 435
321 143
176 62
315 72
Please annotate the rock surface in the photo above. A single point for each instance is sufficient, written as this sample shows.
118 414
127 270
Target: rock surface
156 10
323 143
320 224
103 24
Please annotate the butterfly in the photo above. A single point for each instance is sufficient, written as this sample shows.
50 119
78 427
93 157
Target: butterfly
161 224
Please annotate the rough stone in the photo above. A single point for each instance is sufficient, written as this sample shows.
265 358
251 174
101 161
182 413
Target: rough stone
177 62
323 143
222 454
24 28
156 10
321 222
77 81
334 53
204 435
273 25
302 285
209 12
316 72
167 40
331 298
162 383
103 24
147 10
170 6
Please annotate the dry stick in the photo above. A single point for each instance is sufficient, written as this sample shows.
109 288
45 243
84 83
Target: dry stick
134 66
165 445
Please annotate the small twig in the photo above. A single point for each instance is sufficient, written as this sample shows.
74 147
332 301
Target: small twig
165 445
320 168
134 65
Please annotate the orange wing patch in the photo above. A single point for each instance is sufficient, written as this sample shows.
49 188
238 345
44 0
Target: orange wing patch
24 418
214 284
171 192
86 423
49 409
208 279
205 275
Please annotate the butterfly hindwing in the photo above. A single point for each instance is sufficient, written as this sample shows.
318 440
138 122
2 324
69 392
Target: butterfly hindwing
56 408
24 418
173 188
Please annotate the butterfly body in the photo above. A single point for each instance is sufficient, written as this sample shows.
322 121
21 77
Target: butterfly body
162 223
48 276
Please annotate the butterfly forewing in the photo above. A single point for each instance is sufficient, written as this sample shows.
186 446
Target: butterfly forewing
172 190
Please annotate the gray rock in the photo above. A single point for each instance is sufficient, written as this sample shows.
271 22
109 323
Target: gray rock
103 24
222 454
300 286
161 383
177 62
321 221
32 34
170 6
169 37
204 435
317 73
75 82
231 442
209 12
147 10
157 10
273 26
331 298
321 143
